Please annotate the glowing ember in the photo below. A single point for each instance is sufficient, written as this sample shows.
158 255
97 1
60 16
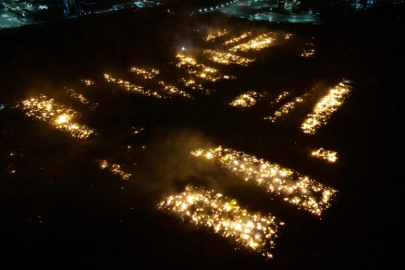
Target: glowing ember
279 98
247 100
237 39
325 107
148 73
286 108
174 90
216 35
193 85
296 189
75 95
59 116
327 155
200 70
131 87
227 58
87 82
308 53
115 169
256 44
224 216
81 98
137 130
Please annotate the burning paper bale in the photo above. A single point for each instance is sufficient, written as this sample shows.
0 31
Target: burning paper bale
325 107
225 217
248 99
55 114
296 189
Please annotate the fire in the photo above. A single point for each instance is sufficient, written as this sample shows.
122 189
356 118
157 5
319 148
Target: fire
296 189
200 70
308 53
247 100
115 169
324 108
212 37
193 85
237 39
59 116
87 82
328 155
82 99
227 58
286 108
256 44
225 217
148 73
279 98
174 90
131 87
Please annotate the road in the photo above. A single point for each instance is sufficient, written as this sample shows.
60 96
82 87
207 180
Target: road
252 10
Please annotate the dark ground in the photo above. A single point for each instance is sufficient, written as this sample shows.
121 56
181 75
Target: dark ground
60 211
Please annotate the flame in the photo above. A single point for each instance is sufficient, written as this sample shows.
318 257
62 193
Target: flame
324 108
59 116
237 39
227 58
115 169
174 90
286 108
328 155
200 70
131 87
256 44
247 100
148 73
225 217
212 37
296 189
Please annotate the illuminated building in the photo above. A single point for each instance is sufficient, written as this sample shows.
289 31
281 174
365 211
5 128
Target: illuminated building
17 13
